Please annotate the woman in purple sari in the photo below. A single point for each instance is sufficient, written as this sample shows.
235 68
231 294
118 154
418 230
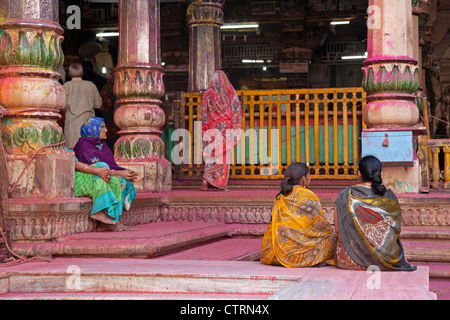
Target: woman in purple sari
110 192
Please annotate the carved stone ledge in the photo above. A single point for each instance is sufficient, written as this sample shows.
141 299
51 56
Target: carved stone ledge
45 220
225 213
141 216
48 220
412 216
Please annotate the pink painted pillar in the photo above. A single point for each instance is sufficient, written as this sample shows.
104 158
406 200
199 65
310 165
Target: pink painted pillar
205 51
30 55
390 73
139 87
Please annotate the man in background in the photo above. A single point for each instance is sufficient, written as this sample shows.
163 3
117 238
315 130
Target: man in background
82 98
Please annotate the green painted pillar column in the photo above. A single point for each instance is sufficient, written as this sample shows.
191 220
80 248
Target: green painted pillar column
30 54
139 87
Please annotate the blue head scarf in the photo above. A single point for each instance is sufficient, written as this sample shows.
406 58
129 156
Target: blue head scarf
91 128
89 149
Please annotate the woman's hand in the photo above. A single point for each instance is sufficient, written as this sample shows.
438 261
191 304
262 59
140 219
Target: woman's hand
103 173
128 174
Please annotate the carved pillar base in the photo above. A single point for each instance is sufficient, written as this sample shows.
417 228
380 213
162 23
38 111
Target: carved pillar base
153 176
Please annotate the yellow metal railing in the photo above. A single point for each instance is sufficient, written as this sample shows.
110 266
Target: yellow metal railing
434 155
320 127
430 151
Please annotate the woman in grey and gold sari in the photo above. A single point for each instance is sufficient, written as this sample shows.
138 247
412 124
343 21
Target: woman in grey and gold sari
368 221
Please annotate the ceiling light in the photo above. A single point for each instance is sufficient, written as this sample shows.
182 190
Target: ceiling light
335 23
252 61
354 57
240 26
107 34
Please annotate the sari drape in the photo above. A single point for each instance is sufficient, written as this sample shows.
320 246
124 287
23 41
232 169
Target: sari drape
109 197
369 231
298 235
221 117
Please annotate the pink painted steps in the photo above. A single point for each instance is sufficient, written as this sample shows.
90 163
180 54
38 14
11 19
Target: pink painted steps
188 261
430 246
160 279
141 264
233 249
147 240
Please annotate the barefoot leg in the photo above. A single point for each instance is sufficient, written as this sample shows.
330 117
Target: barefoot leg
102 217
101 227
121 227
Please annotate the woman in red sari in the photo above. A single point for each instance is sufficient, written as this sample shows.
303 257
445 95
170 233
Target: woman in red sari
221 117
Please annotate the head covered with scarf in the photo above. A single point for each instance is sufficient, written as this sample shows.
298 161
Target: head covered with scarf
220 109
90 149
91 128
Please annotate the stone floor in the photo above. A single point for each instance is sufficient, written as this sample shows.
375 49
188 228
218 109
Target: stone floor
212 266
196 260
81 278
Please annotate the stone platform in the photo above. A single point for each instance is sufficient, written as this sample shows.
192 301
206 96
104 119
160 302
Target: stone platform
101 278
191 225
189 260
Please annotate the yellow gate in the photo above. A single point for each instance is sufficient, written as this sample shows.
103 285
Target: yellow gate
321 127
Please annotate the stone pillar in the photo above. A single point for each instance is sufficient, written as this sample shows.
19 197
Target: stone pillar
205 51
391 80
139 87
30 54
417 50
390 74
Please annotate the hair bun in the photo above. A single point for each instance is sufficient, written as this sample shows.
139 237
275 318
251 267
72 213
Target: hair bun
377 176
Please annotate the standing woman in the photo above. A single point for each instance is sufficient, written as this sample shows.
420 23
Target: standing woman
368 221
221 117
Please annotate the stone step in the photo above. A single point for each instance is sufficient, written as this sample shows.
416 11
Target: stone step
437 270
323 284
441 287
130 296
426 232
427 250
145 241
113 278
232 249
123 275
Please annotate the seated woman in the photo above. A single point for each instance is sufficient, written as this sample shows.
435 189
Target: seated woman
367 219
98 176
298 235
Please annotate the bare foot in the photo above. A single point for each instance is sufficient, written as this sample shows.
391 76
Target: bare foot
204 185
101 227
121 227
102 217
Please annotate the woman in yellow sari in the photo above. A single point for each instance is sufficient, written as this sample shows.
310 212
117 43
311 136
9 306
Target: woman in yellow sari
298 235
